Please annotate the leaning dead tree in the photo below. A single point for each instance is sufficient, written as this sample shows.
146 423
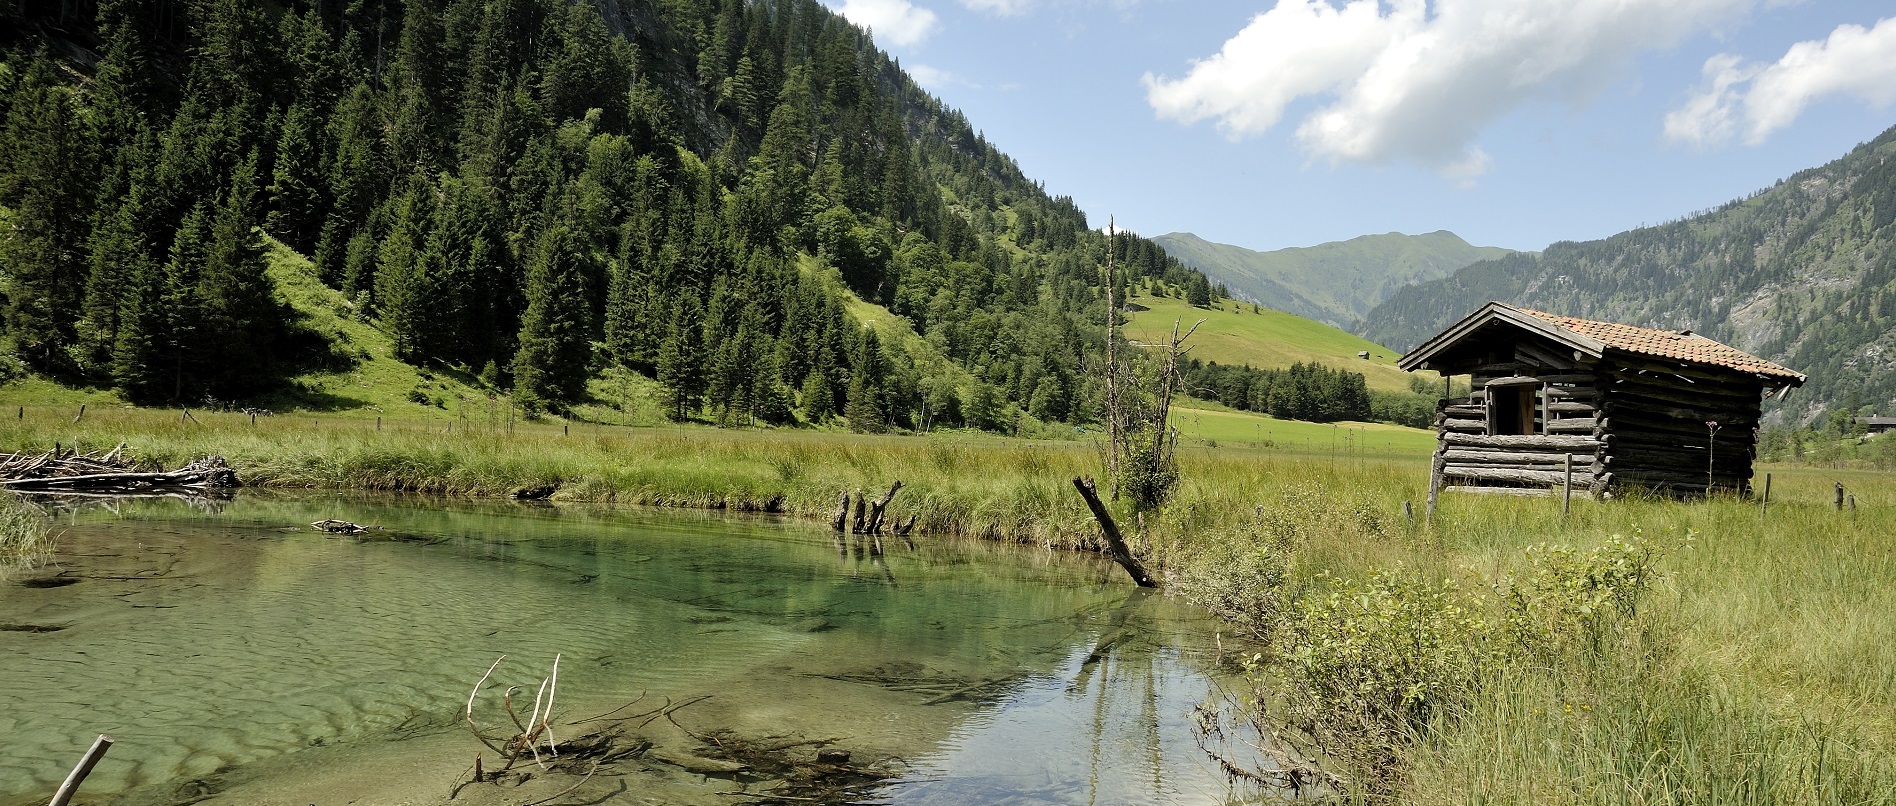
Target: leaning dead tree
1122 553
56 471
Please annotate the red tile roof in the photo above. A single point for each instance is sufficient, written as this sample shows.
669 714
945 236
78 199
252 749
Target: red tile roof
1687 346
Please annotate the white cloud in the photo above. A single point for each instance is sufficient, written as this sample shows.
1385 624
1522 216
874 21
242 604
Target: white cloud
1000 8
1853 62
1416 81
935 79
894 22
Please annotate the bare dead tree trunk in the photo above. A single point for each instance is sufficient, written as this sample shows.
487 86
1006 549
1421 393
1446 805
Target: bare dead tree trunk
1112 370
842 513
1166 443
1121 554
879 508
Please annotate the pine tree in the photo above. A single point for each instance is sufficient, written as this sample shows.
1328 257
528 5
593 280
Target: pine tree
403 298
681 363
239 315
867 410
553 362
298 193
46 175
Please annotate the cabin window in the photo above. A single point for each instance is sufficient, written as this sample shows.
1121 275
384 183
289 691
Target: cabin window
1511 409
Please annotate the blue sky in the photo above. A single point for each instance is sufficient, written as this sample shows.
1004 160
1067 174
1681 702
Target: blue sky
1514 123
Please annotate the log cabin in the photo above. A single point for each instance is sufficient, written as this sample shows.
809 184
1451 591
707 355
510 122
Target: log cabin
1625 407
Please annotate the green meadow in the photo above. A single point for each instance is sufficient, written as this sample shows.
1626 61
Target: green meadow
1635 651
1267 339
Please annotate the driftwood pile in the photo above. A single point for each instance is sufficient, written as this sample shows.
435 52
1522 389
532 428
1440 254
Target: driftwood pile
57 471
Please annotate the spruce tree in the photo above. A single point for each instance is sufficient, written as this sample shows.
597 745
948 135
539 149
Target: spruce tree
867 409
239 314
553 362
681 363
46 175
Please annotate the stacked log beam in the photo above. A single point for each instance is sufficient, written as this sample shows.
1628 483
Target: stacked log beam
1659 417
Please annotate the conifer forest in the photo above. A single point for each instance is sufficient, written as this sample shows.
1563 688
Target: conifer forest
530 192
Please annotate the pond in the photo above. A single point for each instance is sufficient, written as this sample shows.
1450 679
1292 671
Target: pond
238 656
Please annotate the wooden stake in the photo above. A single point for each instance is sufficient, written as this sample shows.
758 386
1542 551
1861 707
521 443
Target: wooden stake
842 513
1435 485
378 427
79 773
81 415
1838 501
566 429
1566 486
1121 554
1408 511
1765 502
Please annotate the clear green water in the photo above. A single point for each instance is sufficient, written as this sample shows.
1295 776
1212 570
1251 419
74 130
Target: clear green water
240 657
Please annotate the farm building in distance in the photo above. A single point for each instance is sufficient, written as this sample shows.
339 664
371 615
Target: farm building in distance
1628 407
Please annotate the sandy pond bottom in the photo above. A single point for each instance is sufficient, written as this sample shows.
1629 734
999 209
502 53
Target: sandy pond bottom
238 656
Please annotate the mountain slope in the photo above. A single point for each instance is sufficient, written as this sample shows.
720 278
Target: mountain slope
1802 273
1233 335
1335 283
742 203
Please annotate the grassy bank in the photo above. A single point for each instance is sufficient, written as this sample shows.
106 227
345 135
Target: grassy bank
1757 664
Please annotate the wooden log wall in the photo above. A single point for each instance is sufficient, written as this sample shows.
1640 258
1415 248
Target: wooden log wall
1658 416
1625 420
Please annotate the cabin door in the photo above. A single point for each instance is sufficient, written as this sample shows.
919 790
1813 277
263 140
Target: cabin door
1511 409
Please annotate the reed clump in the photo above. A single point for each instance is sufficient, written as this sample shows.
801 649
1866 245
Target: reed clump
26 536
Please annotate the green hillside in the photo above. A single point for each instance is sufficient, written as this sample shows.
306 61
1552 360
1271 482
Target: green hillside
1267 339
614 211
1336 283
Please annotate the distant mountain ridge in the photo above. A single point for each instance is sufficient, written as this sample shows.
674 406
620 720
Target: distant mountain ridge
1336 283
1802 273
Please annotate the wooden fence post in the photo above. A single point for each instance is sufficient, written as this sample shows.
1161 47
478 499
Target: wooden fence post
81 415
1765 502
1838 501
1566 485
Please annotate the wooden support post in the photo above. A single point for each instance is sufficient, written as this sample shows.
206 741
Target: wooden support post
1435 485
566 429
79 773
1121 554
378 423
1765 502
1838 501
1566 485
81 415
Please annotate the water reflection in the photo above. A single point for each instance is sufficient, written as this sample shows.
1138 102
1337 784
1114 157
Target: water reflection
240 657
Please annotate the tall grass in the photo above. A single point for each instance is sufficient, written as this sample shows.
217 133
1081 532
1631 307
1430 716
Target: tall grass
1760 667
25 536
